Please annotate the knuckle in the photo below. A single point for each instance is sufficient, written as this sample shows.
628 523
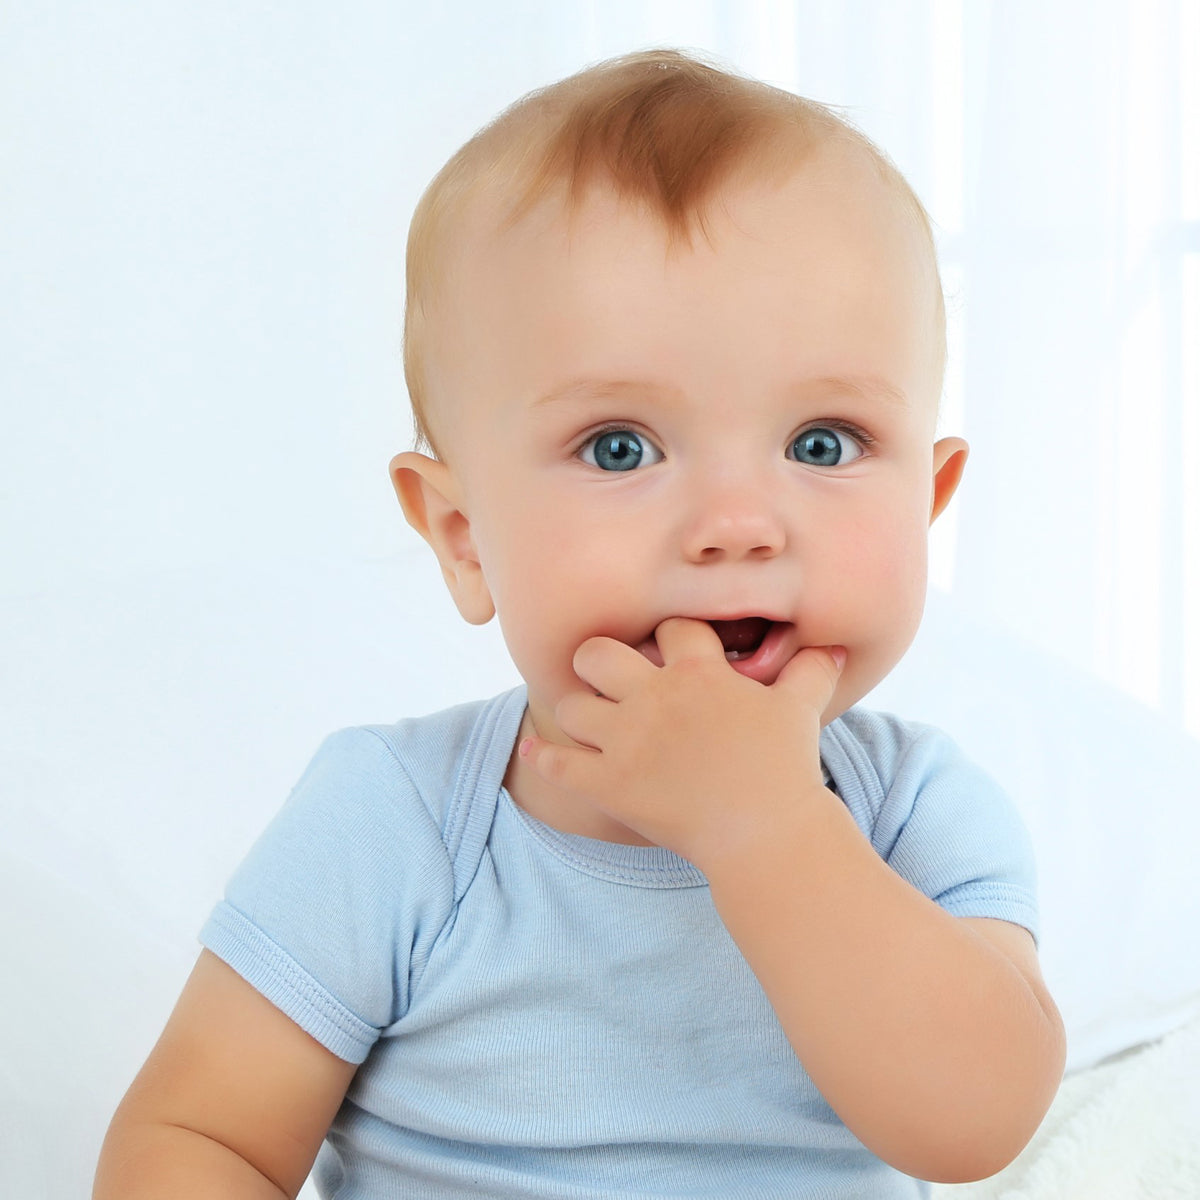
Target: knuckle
692 665
553 765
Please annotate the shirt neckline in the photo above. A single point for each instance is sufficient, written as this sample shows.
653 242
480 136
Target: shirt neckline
615 862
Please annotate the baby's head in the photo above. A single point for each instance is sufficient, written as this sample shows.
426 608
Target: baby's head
675 341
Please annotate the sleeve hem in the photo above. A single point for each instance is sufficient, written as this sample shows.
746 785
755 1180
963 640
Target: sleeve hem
268 968
1000 904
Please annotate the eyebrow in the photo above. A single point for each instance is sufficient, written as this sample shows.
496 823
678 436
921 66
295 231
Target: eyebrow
605 389
865 387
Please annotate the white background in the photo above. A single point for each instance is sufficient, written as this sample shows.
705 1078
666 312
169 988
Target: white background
203 209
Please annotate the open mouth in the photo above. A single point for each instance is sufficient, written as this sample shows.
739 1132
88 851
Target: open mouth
743 637
757 647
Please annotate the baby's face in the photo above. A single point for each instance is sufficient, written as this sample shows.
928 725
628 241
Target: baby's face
742 429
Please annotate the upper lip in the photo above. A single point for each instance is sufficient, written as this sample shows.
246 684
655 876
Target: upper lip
744 614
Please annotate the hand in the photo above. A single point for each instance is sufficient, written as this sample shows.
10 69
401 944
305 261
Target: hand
690 754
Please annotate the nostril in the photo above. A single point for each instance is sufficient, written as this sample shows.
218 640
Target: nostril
708 553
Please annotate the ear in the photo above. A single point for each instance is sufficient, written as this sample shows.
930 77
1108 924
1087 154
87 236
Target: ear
949 459
433 506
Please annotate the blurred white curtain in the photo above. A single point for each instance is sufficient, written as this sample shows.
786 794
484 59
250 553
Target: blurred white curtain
1077 254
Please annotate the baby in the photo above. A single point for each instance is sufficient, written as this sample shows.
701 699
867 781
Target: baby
672 918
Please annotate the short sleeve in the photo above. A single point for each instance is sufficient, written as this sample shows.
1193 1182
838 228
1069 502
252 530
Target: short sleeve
339 901
935 817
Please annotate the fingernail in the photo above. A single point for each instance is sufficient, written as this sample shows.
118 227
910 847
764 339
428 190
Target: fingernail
838 654
523 748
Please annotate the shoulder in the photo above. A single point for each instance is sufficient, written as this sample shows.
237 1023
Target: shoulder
878 751
372 789
438 758
887 768
363 866
933 815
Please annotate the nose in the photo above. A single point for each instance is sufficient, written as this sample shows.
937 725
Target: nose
733 518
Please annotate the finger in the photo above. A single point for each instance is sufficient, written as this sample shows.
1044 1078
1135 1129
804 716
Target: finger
682 637
584 717
609 667
813 673
566 767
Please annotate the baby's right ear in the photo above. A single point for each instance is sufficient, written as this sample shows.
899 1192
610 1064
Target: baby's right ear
433 506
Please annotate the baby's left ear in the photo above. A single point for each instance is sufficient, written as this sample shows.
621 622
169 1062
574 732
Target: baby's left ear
949 459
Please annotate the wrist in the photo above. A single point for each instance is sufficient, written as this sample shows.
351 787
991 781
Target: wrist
751 836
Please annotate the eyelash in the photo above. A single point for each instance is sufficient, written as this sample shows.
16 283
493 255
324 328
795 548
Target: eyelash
860 435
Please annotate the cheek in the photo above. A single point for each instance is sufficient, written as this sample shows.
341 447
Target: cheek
876 611
556 580
882 536
882 567
542 549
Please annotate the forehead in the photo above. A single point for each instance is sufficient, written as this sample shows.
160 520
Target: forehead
830 256
838 190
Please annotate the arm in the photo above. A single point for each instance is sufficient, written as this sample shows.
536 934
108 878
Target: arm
932 1037
233 1101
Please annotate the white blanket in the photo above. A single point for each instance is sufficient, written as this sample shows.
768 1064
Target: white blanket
1125 1129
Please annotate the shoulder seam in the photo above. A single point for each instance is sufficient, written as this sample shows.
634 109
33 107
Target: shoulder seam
417 968
404 768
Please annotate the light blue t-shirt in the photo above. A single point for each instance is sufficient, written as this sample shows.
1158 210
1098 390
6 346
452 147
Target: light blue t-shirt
539 1014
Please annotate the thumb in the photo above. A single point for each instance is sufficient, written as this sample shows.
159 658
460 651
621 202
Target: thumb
813 674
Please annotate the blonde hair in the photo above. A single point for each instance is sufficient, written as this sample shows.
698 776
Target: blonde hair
663 128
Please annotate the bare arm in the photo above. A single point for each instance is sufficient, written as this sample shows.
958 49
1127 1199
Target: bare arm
932 1037
233 1101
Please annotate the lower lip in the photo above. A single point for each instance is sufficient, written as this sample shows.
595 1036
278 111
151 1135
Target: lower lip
765 663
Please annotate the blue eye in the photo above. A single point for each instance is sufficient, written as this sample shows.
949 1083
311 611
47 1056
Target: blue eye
822 446
619 450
